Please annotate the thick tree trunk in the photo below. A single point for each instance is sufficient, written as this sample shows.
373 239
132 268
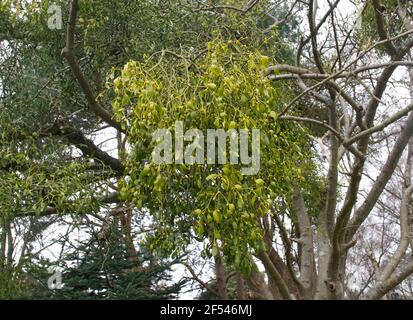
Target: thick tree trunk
275 275
259 290
307 261
221 279
241 292
323 252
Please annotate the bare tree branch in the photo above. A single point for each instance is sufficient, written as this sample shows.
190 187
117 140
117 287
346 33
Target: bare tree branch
69 55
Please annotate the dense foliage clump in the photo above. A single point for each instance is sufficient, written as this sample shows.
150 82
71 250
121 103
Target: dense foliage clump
226 90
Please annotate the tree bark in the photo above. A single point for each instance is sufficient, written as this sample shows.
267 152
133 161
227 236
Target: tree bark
221 279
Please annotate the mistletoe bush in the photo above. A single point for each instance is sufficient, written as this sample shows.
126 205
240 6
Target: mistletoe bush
212 204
